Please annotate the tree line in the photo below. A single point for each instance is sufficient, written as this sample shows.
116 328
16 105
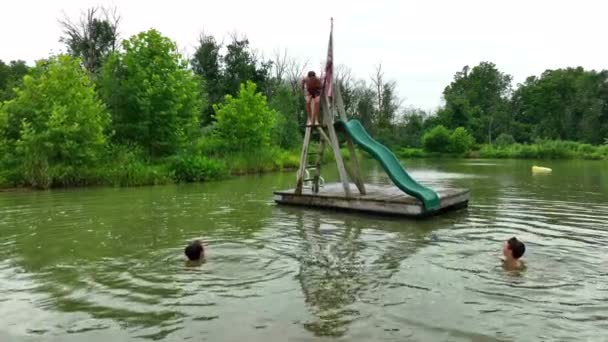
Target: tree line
136 110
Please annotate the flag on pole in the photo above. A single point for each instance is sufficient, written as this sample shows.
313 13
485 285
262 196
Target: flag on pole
329 64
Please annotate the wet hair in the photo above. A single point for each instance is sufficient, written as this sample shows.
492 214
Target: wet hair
517 247
311 74
194 250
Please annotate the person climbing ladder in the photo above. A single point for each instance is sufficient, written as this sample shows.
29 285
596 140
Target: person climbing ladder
313 97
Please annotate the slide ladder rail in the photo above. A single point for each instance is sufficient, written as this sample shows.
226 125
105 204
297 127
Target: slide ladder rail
390 164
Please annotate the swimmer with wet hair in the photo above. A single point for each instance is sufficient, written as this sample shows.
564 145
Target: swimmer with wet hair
195 251
513 250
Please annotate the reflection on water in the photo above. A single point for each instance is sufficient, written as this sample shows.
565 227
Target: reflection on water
341 266
103 264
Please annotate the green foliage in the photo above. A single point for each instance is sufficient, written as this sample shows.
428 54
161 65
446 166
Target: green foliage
264 160
478 101
286 133
4 147
441 140
244 123
413 153
11 77
409 130
55 121
364 106
206 63
563 104
386 136
388 106
437 140
134 173
52 128
504 139
223 74
154 99
125 166
289 159
547 149
120 166
461 141
241 65
197 169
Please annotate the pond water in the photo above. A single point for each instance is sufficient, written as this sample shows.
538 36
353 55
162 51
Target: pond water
105 264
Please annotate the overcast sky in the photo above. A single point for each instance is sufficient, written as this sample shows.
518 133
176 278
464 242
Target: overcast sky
421 44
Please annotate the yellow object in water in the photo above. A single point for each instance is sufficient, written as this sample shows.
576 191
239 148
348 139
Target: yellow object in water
540 169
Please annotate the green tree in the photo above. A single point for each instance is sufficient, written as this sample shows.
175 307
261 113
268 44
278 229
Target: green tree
286 133
411 127
55 123
11 77
364 105
386 114
437 139
347 91
241 65
388 108
244 123
206 63
568 104
478 101
461 141
387 103
154 99
93 38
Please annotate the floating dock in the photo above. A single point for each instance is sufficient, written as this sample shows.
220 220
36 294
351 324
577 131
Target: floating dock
407 197
377 199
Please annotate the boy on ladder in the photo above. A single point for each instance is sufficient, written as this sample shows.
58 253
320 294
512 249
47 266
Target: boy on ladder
313 97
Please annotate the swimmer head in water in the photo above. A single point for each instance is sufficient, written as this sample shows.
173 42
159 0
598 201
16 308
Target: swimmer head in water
195 251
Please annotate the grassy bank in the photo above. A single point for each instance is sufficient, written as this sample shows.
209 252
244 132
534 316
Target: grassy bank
540 150
546 150
122 168
127 169
260 161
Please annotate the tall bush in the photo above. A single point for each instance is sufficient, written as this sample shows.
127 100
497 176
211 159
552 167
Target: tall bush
461 141
244 123
437 139
154 99
56 121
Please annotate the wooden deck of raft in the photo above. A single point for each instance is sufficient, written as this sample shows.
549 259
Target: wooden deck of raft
378 199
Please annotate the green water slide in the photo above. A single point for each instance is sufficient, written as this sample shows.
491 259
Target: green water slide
391 165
